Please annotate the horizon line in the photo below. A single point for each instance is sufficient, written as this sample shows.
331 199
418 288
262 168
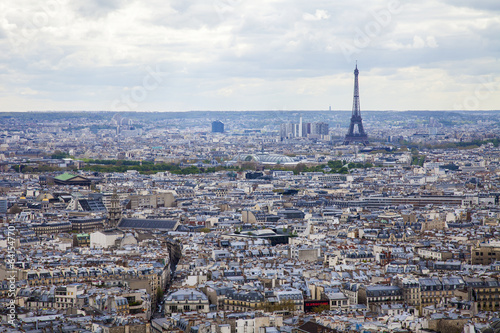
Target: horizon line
187 111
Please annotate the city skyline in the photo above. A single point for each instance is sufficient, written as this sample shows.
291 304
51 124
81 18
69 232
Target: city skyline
127 56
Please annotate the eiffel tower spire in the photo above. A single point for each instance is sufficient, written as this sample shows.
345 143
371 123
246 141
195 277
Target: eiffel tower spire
356 120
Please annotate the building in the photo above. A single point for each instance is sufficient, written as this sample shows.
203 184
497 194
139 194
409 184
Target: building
379 294
291 295
243 301
485 292
431 291
52 228
411 290
151 201
485 253
67 296
217 127
320 128
4 205
114 211
72 180
338 301
186 300
158 224
105 238
84 224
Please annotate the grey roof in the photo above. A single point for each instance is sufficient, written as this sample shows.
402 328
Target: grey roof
132 223
184 295
91 205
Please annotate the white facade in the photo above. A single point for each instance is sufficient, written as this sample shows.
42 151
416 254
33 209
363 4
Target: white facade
104 239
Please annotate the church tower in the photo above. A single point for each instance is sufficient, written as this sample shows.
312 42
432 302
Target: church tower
115 211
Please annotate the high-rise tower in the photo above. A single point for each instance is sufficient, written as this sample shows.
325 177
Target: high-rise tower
359 135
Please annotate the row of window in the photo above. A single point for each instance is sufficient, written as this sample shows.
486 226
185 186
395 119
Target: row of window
489 253
174 308
64 300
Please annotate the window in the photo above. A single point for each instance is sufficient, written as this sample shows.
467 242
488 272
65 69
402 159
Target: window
187 307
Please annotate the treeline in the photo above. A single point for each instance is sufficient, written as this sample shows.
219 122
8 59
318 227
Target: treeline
38 168
418 160
148 167
341 167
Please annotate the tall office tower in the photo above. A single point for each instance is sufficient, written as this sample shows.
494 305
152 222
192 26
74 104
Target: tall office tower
300 127
320 128
358 136
286 130
217 127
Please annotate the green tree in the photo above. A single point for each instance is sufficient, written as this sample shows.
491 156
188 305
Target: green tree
59 155
159 294
321 308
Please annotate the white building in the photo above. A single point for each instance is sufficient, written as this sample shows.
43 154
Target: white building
105 239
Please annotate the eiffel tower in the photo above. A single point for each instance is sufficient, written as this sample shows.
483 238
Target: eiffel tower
359 136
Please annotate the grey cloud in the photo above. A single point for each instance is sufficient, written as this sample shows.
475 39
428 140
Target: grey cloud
97 8
489 5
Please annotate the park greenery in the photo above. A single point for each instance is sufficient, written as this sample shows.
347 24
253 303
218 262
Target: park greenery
149 167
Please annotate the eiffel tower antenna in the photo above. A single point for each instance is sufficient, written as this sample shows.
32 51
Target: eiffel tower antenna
358 136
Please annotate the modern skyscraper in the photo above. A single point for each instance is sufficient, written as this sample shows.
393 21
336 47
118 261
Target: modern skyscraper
359 135
217 127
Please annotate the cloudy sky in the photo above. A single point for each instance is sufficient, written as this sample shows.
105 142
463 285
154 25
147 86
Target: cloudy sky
182 55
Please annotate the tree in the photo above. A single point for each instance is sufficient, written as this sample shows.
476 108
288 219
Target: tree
159 294
299 168
321 308
288 305
59 155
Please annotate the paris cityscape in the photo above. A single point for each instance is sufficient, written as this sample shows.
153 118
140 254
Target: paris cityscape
249 167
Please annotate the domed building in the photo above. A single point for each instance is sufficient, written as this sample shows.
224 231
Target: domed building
263 158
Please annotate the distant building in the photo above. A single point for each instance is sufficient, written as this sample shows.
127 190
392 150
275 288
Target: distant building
186 300
73 180
4 205
320 128
302 130
217 127
51 228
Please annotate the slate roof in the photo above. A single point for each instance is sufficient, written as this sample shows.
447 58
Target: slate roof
134 223
314 328
89 205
